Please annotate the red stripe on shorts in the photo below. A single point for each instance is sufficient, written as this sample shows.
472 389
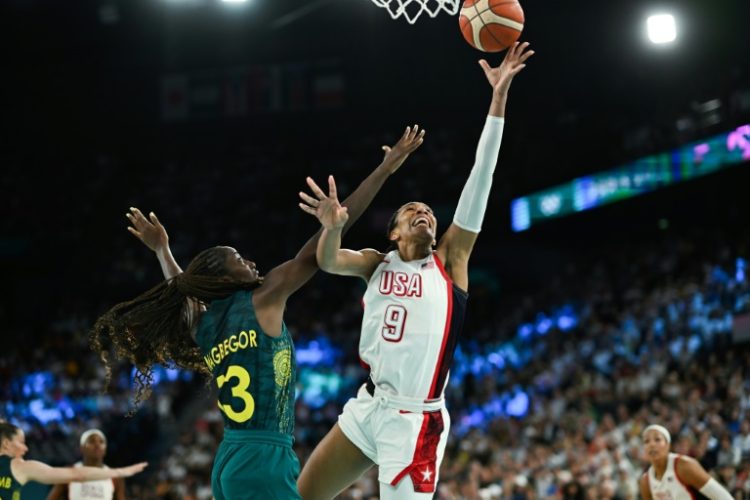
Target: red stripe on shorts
424 465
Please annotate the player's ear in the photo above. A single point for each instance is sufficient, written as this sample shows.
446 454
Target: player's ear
394 236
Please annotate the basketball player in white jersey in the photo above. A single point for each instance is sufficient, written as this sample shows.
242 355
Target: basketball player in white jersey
93 450
672 476
413 311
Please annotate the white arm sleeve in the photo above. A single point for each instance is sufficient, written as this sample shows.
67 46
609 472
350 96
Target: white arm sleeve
713 490
473 201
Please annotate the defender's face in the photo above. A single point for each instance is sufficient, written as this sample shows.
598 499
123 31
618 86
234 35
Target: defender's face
240 269
415 222
16 446
655 445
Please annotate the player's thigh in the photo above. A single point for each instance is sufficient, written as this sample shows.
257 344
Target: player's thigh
404 490
334 464
256 470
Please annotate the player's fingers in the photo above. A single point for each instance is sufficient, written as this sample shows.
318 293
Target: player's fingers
418 142
315 189
526 55
414 131
406 133
512 51
154 219
135 233
137 222
309 199
307 209
137 213
331 187
485 65
387 149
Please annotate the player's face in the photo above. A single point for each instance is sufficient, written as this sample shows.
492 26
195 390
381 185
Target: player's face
655 445
95 447
16 447
240 269
415 222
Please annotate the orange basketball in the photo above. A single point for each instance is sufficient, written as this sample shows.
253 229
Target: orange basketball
491 25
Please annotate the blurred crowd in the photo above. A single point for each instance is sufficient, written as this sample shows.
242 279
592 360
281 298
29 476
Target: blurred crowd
640 353
553 381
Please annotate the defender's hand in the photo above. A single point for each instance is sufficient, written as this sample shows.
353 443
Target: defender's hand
131 469
150 232
326 209
409 142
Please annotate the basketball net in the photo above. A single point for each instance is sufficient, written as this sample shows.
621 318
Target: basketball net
412 9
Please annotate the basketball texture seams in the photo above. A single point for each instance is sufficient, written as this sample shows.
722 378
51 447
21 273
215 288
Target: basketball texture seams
491 25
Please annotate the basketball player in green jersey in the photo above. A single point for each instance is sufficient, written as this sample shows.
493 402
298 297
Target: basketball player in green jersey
15 471
221 317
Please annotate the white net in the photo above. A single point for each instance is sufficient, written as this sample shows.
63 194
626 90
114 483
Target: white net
412 9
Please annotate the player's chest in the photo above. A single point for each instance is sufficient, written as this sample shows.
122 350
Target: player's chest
666 489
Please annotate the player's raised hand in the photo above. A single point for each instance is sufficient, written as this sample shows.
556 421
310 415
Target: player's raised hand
149 231
131 469
514 62
409 142
326 208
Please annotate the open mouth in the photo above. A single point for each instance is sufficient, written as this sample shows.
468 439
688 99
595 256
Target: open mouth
421 221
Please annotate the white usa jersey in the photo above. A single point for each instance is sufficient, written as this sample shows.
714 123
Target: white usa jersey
90 490
670 486
413 315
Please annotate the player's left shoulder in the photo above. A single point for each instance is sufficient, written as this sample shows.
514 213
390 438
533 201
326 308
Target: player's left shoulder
689 470
685 461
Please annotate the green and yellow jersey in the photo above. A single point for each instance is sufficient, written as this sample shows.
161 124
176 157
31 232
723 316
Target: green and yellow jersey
10 489
255 373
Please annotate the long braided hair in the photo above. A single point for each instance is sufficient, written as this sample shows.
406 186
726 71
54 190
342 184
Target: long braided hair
154 328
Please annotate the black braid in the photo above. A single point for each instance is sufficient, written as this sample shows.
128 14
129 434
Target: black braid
154 328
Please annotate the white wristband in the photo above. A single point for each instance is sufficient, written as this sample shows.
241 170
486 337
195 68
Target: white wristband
473 201
713 490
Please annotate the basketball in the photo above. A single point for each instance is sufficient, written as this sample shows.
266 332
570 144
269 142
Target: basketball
491 25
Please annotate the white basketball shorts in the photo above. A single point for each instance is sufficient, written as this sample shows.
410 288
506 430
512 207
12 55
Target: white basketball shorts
398 437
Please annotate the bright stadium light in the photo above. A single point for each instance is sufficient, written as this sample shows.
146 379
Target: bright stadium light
661 28
234 1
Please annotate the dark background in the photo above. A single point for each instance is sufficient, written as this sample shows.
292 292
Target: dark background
86 135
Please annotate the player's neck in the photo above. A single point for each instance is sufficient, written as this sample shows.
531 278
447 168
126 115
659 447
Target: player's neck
660 467
414 251
93 462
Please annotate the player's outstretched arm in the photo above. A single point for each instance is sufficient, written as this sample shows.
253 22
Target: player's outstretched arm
694 475
153 234
458 241
31 470
333 217
285 279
